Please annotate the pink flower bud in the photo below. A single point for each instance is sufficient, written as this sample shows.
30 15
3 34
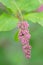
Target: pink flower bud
27 50
23 25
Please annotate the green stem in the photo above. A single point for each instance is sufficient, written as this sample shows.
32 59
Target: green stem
21 17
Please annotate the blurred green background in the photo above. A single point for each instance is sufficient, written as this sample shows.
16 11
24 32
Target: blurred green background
11 51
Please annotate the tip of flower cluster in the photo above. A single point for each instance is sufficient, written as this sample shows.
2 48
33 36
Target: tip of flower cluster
27 50
27 56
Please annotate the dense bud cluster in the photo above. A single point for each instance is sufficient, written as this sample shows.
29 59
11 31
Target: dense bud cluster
24 37
23 25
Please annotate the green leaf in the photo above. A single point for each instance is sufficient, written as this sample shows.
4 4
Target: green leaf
35 17
8 4
16 37
28 5
4 9
7 22
24 5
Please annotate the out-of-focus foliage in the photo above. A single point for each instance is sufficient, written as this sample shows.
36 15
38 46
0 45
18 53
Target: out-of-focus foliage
11 51
7 22
12 7
35 17
26 5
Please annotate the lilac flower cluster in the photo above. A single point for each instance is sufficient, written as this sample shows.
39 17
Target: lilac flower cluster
24 37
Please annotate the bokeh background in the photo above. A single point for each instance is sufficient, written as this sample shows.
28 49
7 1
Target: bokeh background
11 51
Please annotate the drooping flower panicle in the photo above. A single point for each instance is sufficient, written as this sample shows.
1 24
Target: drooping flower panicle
24 37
